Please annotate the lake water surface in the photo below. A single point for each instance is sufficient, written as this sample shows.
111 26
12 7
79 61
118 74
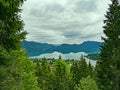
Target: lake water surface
75 56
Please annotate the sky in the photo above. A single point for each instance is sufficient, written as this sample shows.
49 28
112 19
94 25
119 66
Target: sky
64 21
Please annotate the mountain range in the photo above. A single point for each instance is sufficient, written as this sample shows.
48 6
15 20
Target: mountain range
34 48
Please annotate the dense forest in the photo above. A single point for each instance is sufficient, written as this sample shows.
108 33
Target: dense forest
19 72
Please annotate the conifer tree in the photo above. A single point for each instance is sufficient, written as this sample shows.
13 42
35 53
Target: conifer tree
87 84
61 74
80 69
16 70
18 73
43 74
116 69
105 68
91 71
75 71
11 25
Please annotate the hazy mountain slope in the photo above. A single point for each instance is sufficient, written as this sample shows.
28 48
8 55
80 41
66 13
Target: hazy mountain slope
34 48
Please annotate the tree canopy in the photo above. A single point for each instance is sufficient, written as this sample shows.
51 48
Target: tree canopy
105 66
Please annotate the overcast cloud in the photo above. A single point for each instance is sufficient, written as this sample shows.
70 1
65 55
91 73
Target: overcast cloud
64 21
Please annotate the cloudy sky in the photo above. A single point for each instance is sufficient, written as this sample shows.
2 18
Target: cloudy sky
64 21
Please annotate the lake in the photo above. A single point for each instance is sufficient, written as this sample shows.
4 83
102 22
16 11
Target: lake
75 56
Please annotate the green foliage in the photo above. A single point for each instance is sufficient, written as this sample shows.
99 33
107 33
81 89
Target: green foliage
58 74
18 74
87 84
116 69
61 75
16 70
53 75
93 56
106 67
60 65
80 69
11 25
4 56
43 74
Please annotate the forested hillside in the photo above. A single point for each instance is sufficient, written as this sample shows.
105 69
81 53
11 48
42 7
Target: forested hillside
19 72
35 49
59 74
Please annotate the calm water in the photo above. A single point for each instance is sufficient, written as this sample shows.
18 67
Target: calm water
75 56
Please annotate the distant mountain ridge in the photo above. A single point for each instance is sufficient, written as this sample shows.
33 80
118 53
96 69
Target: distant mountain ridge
35 48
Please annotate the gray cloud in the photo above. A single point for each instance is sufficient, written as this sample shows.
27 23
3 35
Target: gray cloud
85 6
64 21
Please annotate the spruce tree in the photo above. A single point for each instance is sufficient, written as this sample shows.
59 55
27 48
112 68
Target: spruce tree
105 66
11 25
61 73
75 71
16 70
43 74
80 69
116 69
